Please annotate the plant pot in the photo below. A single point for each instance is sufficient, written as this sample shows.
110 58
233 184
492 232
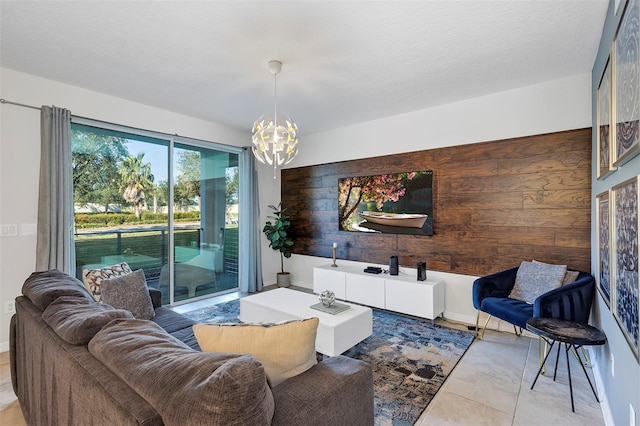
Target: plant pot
283 279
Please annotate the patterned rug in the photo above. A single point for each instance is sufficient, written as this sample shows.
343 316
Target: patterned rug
410 359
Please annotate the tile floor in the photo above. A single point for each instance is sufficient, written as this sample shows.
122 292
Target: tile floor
490 386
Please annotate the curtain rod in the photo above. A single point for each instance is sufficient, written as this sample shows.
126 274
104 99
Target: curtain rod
80 118
4 101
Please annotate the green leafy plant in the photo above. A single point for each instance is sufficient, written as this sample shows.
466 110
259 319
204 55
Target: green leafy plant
279 233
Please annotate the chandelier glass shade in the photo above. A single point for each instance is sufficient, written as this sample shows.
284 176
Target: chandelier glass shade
275 139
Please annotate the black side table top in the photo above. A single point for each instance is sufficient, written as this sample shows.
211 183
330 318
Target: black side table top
564 331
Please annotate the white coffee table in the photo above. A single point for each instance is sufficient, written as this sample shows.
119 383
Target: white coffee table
336 333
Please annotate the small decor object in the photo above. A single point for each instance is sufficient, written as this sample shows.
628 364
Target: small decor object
393 265
335 249
422 271
327 298
625 282
334 309
627 86
280 239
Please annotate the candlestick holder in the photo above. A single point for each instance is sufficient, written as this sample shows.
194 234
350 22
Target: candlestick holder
335 249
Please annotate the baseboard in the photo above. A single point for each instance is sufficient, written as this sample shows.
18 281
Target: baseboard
4 346
599 384
466 319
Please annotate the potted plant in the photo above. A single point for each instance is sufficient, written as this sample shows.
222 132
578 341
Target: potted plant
280 239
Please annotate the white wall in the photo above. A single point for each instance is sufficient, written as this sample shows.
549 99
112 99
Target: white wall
20 153
553 106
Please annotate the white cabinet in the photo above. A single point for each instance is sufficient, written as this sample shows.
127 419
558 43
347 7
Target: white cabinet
420 298
400 293
328 279
365 290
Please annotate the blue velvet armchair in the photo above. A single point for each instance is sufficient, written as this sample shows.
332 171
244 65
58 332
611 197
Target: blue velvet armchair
571 301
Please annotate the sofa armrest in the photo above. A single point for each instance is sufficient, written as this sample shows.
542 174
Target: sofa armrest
494 285
12 353
571 302
156 297
338 390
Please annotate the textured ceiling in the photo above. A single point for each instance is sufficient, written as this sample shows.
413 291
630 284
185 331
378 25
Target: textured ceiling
344 62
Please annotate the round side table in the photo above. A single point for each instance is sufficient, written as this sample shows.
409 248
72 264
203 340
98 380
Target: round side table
574 335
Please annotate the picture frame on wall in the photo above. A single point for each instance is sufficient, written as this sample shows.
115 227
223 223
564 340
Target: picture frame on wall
626 84
604 133
626 279
603 219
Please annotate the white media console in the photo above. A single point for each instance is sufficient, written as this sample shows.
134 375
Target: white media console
399 293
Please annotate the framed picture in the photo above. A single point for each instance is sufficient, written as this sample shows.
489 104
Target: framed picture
626 280
626 83
603 219
604 134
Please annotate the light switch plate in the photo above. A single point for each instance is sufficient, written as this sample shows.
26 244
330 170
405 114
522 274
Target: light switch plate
9 230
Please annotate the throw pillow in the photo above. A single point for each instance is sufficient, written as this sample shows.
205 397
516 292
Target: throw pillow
76 320
569 276
284 349
129 292
535 278
93 277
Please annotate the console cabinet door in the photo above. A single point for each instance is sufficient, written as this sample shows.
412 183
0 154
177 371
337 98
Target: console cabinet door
327 279
364 289
422 299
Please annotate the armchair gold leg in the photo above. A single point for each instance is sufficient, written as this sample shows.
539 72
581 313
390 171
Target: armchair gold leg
584 354
483 328
542 353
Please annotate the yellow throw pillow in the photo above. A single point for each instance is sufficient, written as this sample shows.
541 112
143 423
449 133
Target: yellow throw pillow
284 349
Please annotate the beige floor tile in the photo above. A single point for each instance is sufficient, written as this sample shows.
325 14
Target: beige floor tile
497 392
451 409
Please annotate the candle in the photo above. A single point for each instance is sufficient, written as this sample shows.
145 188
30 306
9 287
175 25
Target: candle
335 245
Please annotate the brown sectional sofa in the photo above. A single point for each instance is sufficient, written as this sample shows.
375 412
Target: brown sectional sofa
75 362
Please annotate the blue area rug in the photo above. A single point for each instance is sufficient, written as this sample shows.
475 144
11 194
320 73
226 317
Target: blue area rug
410 359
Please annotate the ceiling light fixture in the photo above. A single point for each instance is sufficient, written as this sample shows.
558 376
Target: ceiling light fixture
275 142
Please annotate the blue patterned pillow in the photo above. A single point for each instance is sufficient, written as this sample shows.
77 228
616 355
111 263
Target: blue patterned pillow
536 278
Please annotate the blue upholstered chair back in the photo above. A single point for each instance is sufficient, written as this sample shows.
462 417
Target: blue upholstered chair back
571 301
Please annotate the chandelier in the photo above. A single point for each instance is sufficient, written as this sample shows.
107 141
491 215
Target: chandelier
275 142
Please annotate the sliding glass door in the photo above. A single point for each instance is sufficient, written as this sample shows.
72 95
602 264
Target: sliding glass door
166 205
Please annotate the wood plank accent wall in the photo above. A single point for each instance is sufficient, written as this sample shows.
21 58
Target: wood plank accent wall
495 204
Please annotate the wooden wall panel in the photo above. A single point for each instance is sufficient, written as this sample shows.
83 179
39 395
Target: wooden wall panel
495 204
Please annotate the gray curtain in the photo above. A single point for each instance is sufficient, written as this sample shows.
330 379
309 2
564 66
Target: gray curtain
54 248
250 273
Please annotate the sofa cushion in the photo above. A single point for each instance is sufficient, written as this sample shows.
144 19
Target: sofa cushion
92 278
183 385
77 320
285 349
42 288
129 292
536 278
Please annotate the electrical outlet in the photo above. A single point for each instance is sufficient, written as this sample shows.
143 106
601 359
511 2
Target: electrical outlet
10 307
613 370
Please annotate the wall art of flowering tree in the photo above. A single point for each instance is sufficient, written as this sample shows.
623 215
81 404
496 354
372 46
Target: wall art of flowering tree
408 192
